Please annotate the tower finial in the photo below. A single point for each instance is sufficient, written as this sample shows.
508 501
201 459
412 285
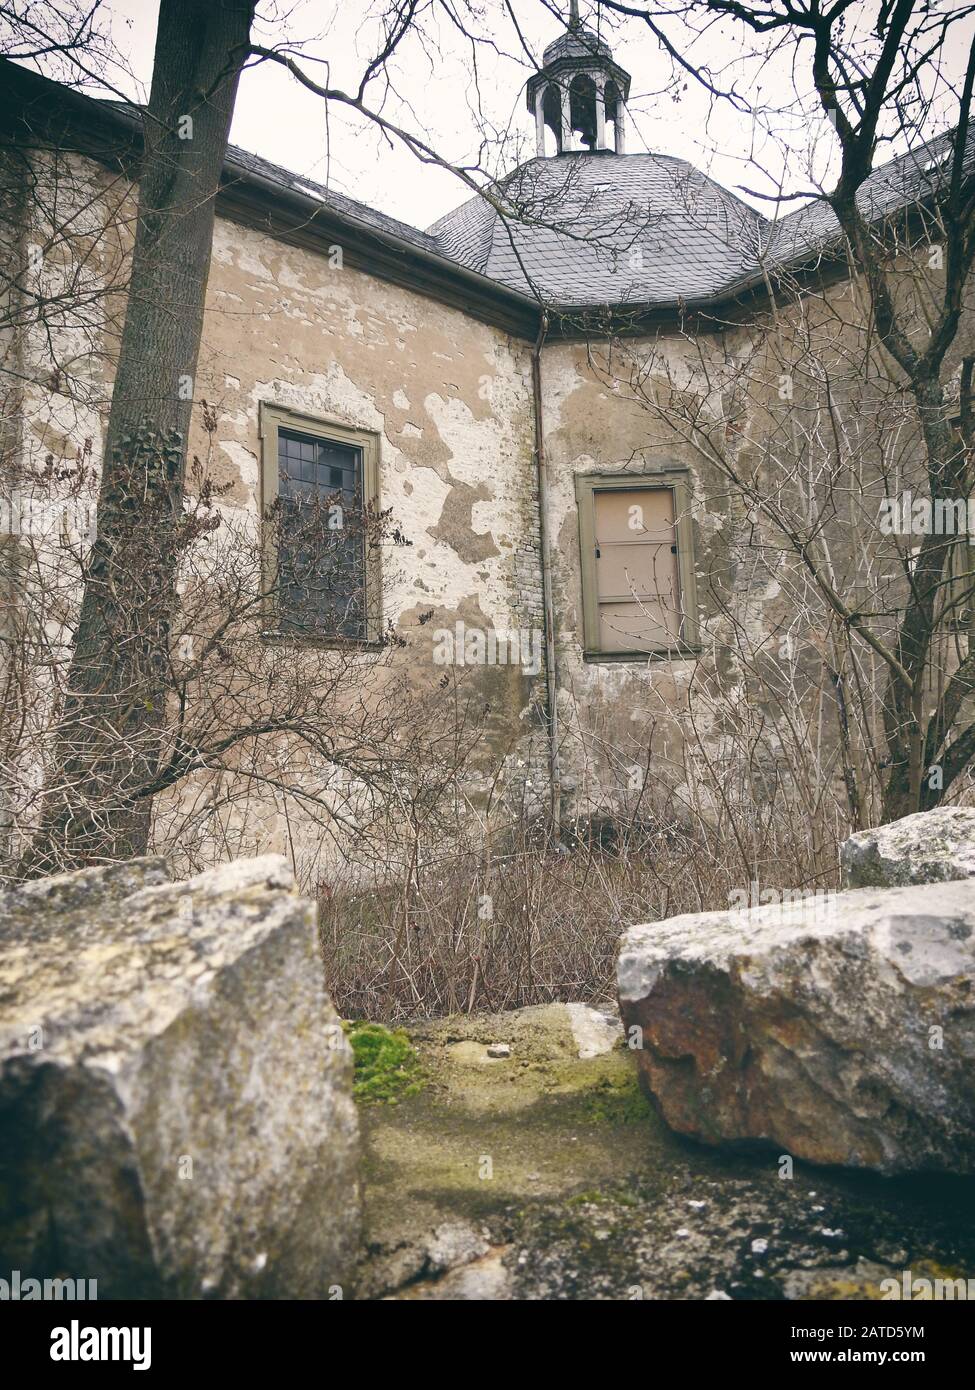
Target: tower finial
573 14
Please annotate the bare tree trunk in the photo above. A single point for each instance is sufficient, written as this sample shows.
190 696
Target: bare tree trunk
108 737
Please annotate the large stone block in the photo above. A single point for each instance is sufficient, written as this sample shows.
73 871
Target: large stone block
175 1089
842 1033
930 847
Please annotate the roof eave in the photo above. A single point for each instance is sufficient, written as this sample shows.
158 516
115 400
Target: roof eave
112 136
34 105
298 218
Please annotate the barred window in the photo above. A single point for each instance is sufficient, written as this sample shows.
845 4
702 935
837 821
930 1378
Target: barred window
319 499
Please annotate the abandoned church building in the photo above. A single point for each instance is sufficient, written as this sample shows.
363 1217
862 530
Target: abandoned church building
560 405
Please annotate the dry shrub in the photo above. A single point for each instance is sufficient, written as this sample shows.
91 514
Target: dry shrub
528 919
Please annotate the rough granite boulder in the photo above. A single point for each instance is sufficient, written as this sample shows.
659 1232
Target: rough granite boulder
930 847
175 1087
843 1033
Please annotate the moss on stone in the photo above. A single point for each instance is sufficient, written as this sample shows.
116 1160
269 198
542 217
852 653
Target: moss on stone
616 1100
387 1068
587 1194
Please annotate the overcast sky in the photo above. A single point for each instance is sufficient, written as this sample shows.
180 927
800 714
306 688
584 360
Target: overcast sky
436 96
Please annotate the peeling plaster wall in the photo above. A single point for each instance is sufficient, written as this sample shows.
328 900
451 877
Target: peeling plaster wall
593 424
749 598
597 419
447 397
450 401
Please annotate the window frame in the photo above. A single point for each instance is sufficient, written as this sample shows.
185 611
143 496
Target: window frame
272 419
677 479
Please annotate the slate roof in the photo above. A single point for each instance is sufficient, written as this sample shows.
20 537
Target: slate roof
575 43
241 163
605 228
598 229
900 183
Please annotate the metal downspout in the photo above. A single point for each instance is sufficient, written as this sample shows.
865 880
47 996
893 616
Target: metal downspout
551 673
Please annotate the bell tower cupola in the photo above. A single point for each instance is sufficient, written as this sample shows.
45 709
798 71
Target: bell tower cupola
580 94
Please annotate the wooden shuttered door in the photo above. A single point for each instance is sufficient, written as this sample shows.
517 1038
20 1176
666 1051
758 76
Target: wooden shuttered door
638 588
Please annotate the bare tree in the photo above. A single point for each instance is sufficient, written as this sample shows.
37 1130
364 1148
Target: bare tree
115 690
879 75
109 755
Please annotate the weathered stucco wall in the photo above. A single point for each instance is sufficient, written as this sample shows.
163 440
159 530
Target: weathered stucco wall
806 407
595 422
449 399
